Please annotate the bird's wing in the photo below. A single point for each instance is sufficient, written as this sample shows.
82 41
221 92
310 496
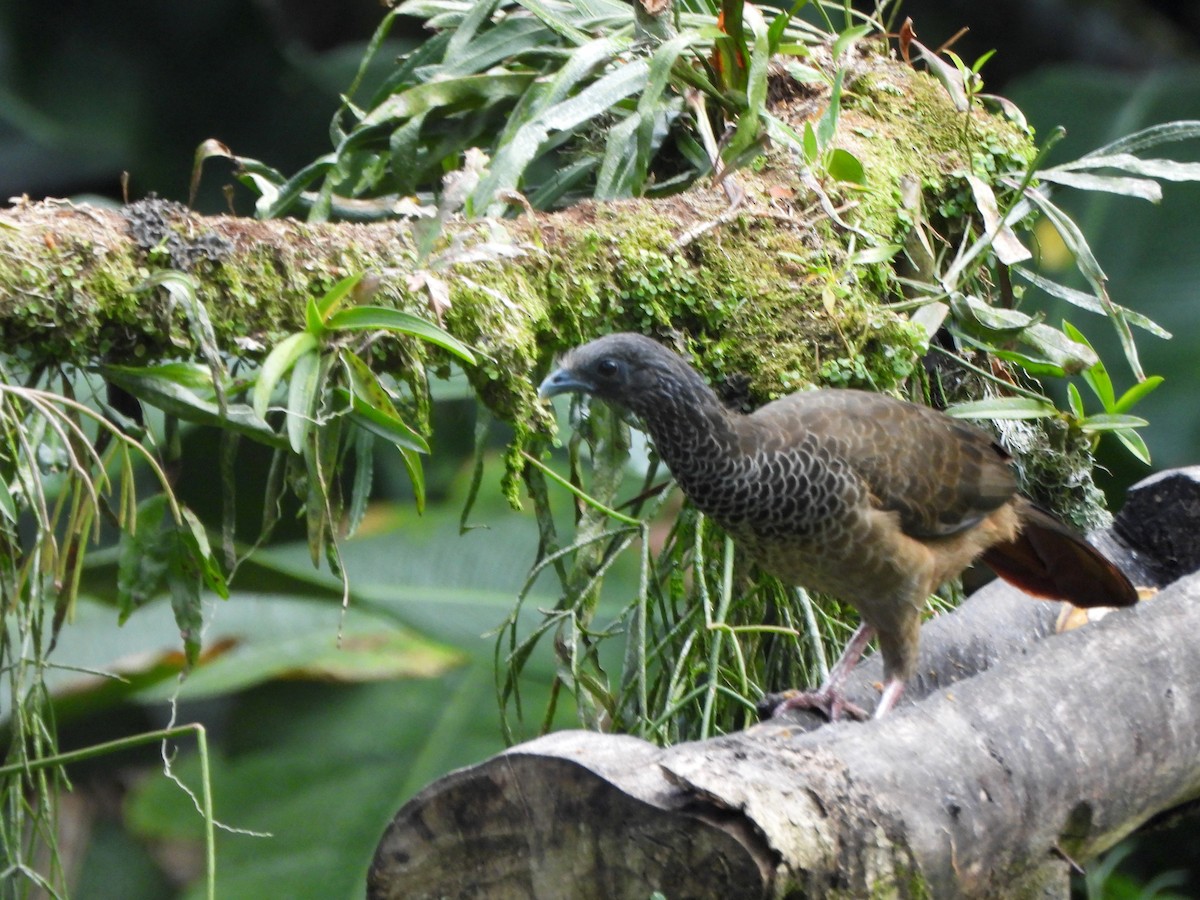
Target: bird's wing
940 475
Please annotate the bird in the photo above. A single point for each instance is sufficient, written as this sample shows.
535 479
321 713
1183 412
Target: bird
865 497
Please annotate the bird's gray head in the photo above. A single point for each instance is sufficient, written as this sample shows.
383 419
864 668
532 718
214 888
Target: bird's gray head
627 369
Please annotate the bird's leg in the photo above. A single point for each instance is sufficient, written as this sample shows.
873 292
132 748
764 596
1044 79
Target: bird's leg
830 697
891 693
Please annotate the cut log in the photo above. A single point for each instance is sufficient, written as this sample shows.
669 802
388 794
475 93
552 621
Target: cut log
1019 751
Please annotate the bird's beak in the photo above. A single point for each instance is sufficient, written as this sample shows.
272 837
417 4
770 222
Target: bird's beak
562 381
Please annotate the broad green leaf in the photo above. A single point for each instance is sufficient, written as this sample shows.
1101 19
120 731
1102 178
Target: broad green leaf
370 318
143 557
971 311
1003 408
845 166
277 364
303 389
163 553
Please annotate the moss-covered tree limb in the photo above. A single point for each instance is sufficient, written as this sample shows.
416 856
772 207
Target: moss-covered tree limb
770 290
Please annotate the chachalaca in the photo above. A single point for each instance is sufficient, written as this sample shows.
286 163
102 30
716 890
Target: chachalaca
870 499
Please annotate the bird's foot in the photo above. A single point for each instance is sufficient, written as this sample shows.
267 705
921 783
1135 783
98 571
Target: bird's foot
832 704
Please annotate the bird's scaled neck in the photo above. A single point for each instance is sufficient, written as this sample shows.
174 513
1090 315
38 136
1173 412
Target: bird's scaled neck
690 426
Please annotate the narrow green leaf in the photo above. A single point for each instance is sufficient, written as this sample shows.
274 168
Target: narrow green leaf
462 35
1086 262
335 297
195 536
1075 400
848 37
596 100
302 398
1110 422
1132 396
451 95
510 38
812 149
372 408
1003 408
620 174
553 19
8 506
383 424
1095 375
277 198
177 400
1139 188
416 474
827 126
1166 169
780 22
1134 444
1089 302
1155 135
364 472
370 318
1072 356
277 364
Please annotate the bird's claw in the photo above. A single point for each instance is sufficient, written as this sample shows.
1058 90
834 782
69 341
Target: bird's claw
830 703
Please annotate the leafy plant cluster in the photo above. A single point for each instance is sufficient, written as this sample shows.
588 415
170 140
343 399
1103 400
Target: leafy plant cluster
71 446
568 99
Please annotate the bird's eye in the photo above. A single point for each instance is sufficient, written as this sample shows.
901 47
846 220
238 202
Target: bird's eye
607 368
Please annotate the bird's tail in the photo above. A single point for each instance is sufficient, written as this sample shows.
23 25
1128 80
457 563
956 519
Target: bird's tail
1050 560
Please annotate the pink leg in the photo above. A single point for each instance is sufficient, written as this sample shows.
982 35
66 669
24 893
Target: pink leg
891 693
829 698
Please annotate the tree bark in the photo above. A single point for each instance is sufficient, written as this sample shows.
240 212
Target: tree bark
983 786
